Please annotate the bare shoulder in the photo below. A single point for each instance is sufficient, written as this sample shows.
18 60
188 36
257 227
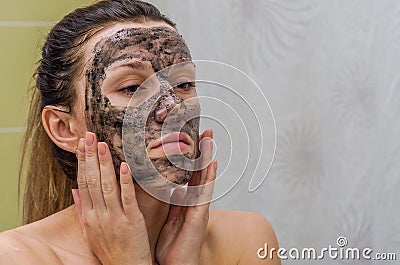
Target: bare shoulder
239 235
18 248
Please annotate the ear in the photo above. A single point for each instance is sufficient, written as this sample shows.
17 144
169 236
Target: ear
59 127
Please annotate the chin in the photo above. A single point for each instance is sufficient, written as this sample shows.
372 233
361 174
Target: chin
170 172
177 176
169 179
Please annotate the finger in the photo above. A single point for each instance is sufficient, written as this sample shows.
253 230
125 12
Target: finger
212 176
176 198
109 185
78 206
208 186
203 192
198 177
128 194
208 133
201 203
198 141
86 201
207 146
93 178
195 180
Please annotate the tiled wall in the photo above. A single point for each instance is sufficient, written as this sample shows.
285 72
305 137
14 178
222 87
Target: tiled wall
23 27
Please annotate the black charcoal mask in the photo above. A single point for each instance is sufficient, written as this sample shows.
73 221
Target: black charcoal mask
162 47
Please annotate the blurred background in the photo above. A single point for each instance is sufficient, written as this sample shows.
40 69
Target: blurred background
330 71
23 28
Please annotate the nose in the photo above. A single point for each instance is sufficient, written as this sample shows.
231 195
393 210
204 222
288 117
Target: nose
165 104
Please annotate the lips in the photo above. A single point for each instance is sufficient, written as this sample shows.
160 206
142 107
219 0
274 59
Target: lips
173 143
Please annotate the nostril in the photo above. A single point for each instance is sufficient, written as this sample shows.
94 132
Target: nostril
165 104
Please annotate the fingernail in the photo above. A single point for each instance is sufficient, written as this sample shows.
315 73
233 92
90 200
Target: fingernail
81 145
89 138
102 149
124 168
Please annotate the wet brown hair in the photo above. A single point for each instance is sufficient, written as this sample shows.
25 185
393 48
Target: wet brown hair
50 170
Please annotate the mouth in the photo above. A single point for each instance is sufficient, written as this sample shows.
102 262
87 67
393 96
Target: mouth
173 143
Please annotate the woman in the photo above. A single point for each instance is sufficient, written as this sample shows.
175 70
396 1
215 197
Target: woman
93 62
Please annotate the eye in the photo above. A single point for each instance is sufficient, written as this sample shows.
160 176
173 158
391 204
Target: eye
186 85
129 90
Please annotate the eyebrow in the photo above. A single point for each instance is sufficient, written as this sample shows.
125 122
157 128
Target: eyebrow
137 65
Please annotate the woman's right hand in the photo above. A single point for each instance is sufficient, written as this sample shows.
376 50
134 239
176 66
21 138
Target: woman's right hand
111 220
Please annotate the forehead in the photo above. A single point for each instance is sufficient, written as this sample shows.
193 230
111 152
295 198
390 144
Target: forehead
110 31
154 42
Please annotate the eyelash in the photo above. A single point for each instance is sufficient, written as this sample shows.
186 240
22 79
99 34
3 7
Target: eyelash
188 85
127 90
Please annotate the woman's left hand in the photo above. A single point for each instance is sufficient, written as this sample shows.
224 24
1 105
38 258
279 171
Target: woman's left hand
182 237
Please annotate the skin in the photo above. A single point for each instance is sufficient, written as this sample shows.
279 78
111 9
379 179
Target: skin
150 50
111 218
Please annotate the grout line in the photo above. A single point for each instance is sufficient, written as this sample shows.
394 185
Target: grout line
27 23
12 129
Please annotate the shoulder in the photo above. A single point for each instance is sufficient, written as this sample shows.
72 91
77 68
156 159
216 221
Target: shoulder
17 247
239 235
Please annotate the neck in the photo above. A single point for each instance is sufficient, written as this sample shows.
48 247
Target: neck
155 213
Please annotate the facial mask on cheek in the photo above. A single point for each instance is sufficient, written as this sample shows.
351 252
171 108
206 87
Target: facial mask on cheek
162 47
106 121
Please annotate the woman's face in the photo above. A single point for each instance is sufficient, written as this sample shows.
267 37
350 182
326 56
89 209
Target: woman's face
118 60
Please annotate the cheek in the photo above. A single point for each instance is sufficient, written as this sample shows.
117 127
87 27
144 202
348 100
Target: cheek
81 126
153 128
106 122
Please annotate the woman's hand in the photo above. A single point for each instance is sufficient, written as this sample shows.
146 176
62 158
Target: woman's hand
182 237
111 220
